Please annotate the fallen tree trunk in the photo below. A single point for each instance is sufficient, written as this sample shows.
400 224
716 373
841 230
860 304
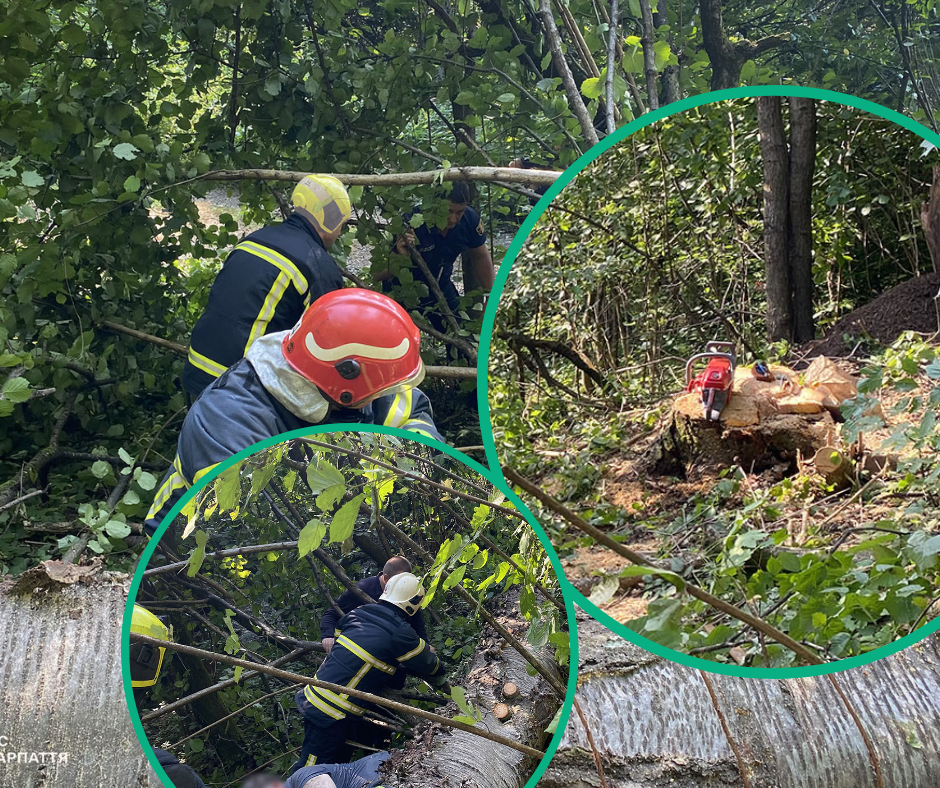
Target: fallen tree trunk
656 723
451 758
63 717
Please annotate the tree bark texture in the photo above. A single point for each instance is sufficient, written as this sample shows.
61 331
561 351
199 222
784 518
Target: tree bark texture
726 64
776 212
61 689
802 165
575 102
451 758
507 174
657 724
649 56
930 220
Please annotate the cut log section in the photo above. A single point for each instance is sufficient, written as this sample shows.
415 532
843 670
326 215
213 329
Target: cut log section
450 758
60 683
764 424
657 724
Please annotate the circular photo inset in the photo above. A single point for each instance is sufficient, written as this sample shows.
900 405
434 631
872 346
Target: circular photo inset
713 375
355 608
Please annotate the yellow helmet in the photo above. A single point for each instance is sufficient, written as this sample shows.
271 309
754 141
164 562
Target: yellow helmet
323 200
146 660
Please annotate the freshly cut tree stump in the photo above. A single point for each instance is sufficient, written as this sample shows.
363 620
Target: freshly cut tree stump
763 425
450 758
657 724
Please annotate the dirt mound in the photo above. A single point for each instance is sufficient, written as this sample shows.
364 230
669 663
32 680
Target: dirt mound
908 306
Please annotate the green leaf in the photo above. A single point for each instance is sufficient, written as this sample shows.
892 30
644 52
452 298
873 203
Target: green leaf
459 697
454 577
100 469
311 536
117 529
272 85
228 488
480 559
16 390
132 183
290 478
467 720
553 725
147 481
592 87
748 70
198 555
238 673
196 745
323 475
32 179
126 151
344 520
640 571
327 499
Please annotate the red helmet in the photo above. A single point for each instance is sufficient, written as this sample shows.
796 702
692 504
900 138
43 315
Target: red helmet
356 345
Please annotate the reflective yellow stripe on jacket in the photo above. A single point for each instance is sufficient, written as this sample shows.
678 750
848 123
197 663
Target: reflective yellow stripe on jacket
278 260
414 652
365 656
400 410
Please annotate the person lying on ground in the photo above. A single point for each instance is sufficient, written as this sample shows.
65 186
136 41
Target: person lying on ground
363 773
354 356
268 280
440 248
374 641
183 776
373 586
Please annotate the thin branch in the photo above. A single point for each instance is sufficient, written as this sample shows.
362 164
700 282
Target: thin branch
699 593
337 688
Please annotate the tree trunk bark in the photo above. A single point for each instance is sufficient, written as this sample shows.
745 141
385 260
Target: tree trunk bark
456 759
61 688
726 64
930 219
802 164
649 56
776 213
575 102
656 723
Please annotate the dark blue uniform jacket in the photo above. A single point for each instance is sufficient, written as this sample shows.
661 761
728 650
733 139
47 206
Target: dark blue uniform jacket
440 252
348 602
265 285
237 411
373 641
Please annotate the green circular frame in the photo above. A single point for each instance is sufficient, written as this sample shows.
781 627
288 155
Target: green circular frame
496 479
490 318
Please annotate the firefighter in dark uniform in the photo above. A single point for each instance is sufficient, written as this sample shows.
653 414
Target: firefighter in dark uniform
363 773
268 280
441 248
373 587
374 641
354 356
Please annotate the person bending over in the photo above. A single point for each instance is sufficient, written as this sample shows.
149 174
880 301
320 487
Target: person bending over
354 356
268 280
373 586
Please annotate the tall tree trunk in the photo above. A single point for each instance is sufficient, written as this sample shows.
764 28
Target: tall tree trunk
726 65
575 102
802 164
649 56
60 685
657 724
670 79
930 219
776 213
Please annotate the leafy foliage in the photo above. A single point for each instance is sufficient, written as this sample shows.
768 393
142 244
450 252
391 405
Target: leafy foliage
476 540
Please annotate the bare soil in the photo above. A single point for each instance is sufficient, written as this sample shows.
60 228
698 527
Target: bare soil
909 306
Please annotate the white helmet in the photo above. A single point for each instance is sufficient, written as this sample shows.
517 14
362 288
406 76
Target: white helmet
404 590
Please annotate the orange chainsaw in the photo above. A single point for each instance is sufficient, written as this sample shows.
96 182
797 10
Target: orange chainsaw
715 380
